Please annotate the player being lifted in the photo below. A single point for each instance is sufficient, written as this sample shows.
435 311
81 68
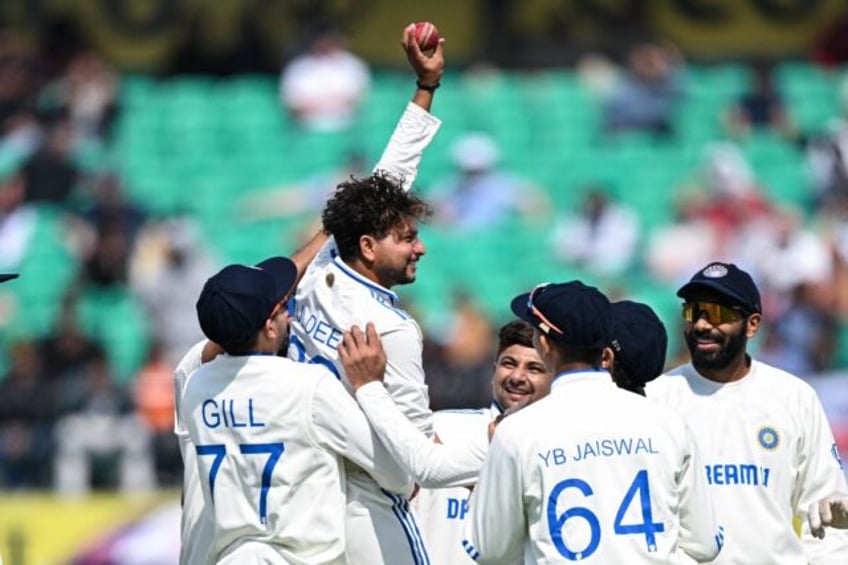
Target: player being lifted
413 133
375 246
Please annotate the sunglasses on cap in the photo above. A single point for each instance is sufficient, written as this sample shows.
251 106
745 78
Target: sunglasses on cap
546 324
716 313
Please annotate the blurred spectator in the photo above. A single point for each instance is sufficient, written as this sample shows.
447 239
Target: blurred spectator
784 254
601 237
19 130
106 263
110 206
17 222
50 174
168 270
153 394
597 74
480 194
760 108
26 416
675 250
87 94
324 87
827 157
67 350
802 339
647 94
831 48
734 198
722 205
101 426
458 361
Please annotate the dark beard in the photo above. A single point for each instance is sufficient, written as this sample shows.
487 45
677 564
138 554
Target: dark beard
396 277
720 358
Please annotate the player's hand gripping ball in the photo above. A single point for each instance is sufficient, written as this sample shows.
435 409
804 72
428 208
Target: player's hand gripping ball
427 36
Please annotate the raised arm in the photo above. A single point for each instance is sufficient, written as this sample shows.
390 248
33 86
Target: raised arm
417 126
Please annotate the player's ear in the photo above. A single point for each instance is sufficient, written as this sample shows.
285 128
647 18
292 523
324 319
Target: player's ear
270 329
607 358
752 325
544 349
368 247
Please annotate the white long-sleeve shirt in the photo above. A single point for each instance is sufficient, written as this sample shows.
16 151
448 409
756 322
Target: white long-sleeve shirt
768 453
270 436
196 523
594 473
330 298
453 462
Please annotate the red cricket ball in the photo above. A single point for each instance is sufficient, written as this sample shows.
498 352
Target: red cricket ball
427 35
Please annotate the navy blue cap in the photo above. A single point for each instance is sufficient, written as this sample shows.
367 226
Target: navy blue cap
639 340
235 302
8 277
728 280
581 312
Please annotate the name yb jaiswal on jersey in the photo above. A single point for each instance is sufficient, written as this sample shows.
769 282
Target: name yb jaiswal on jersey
611 447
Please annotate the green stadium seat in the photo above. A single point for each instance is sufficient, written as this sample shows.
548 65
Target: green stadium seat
114 318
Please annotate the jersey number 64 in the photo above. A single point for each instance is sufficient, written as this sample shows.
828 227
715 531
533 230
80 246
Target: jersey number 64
647 527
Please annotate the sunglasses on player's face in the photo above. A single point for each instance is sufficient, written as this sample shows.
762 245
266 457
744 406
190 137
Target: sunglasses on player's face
536 312
715 313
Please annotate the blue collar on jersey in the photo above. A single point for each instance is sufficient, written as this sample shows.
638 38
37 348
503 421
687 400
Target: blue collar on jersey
391 296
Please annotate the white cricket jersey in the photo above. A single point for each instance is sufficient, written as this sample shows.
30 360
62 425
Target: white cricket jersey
331 298
592 473
441 512
196 525
270 435
768 453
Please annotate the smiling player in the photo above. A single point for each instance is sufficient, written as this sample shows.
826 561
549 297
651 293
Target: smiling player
765 440
519 378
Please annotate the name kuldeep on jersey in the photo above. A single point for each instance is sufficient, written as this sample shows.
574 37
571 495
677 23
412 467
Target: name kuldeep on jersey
317 328
598 448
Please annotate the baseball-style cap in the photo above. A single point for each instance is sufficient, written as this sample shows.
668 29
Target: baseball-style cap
639 340
7 277
235 302
728 280
571 313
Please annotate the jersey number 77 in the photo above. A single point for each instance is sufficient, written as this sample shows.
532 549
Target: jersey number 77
219 451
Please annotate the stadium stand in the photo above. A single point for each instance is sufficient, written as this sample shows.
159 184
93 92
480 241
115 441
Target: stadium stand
196 143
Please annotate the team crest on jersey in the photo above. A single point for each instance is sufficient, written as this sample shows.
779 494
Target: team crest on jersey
768 438
330 279
715 271
835 452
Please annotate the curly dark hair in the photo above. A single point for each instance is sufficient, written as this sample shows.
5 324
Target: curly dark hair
517 332
373 206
